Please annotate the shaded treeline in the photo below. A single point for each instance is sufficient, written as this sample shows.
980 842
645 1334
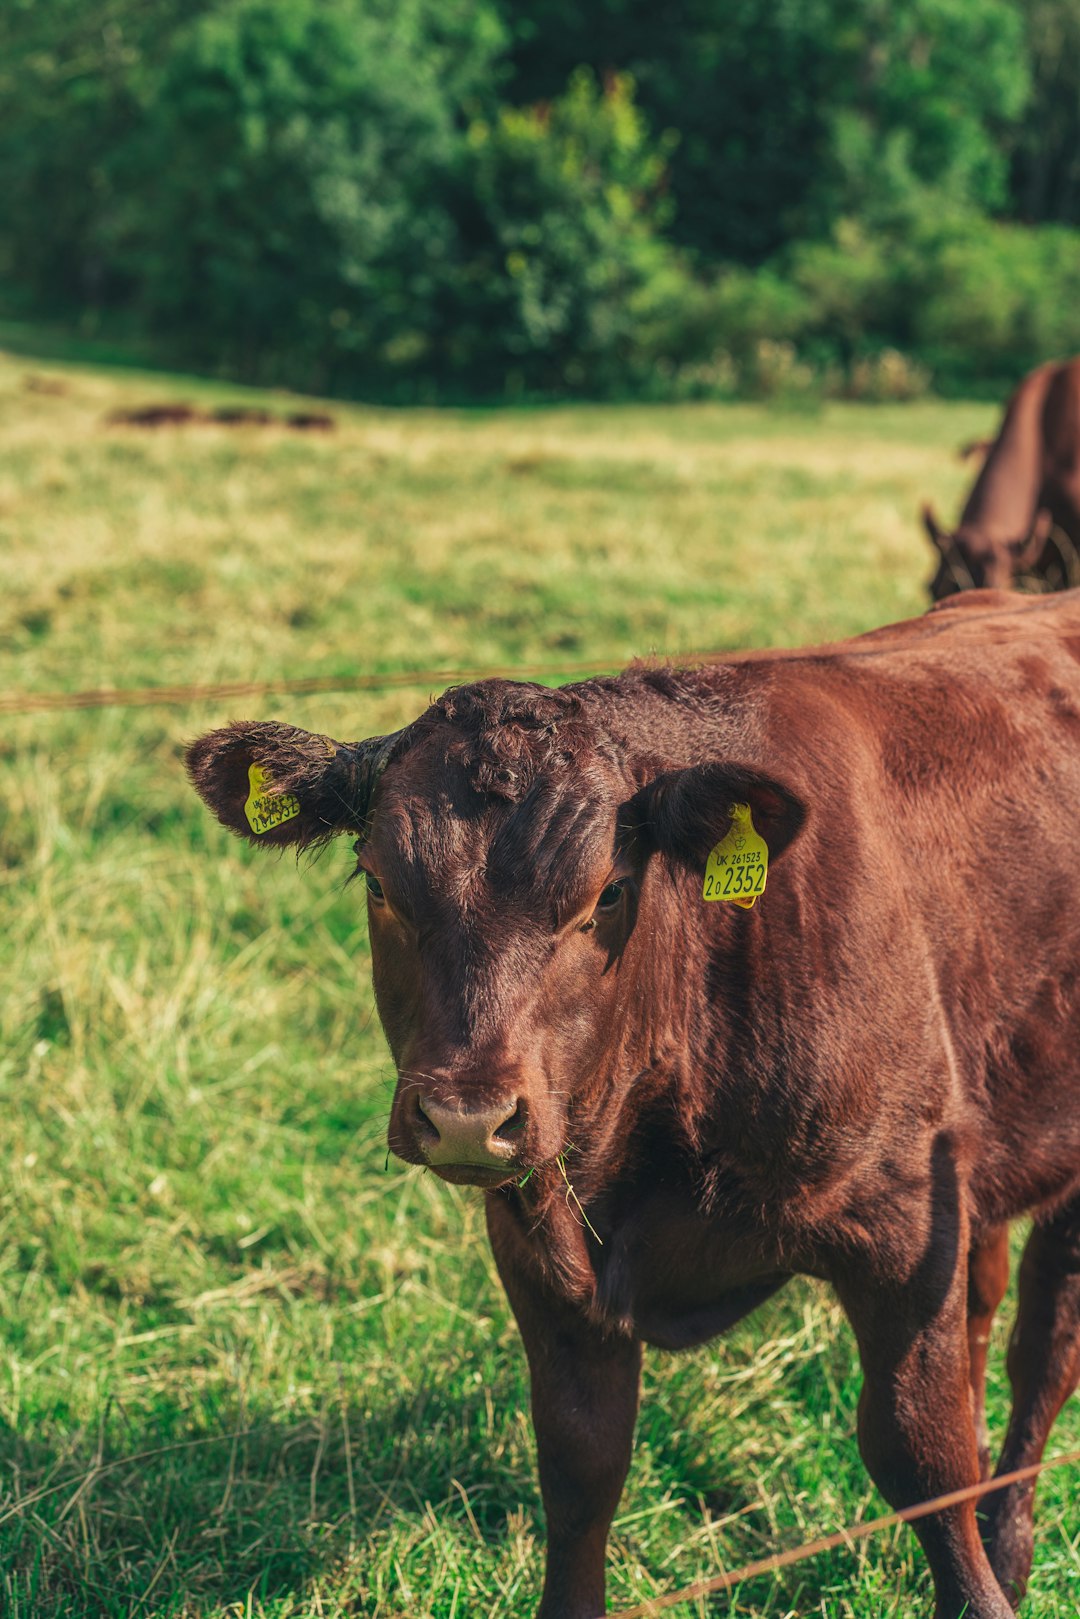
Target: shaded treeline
453 198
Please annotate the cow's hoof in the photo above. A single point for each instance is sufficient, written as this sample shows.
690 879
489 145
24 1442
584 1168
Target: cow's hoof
1007 1535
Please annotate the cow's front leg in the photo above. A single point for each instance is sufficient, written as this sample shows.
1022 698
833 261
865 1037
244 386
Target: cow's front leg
916 1430
584 1403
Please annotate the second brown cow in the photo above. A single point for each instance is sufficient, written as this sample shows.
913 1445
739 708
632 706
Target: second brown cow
1021 520
862 1071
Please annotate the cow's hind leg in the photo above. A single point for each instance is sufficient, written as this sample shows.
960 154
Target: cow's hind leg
905 1293
988 1277
1044 1368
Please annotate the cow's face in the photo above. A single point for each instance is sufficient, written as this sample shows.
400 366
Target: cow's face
968 560
506 846
499 929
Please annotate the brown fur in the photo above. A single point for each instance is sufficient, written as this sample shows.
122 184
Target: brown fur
865 1078
1021 521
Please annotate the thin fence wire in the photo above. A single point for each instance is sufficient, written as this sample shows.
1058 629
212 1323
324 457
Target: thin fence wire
842 1537
19 702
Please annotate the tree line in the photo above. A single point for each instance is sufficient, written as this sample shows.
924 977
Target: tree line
493 198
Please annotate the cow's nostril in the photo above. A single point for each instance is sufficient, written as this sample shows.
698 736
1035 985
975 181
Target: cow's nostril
426 1120
512 1127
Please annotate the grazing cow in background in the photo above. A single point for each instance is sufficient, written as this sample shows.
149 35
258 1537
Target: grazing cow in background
1022 517
861 1070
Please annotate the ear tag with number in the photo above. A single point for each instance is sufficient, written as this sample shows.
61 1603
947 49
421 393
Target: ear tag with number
737 868
265 809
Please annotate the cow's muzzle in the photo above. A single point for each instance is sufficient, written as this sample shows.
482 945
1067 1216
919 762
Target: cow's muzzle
474 1146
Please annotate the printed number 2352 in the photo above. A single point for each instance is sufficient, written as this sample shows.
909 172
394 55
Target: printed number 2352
748 879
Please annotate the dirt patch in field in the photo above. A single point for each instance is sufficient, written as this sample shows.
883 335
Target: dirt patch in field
183 415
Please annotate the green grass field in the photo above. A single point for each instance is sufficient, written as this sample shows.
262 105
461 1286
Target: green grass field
245 1367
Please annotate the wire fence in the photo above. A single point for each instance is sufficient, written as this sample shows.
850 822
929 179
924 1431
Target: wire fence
19 702
842 1537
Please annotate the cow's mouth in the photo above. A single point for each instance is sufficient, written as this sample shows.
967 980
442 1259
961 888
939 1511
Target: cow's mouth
476 1175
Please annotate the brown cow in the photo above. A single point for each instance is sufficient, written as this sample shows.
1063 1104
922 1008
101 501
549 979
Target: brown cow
1021 522
673 1105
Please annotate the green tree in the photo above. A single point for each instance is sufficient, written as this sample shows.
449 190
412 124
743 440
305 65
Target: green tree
931 94
69 71
289 191
569 283
1046 162
793 113
271 180
747 85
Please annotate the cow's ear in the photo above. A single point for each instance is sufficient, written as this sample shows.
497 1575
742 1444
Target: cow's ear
685 813
277 785
937 535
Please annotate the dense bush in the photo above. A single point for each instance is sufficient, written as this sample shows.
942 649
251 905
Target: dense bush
791 112
1002 299
953 296
327 193
454 198
289 195
570 284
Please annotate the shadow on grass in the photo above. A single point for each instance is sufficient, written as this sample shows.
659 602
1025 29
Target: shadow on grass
156 1520
160 1522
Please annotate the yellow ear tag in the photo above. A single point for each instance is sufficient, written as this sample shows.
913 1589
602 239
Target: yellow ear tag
265 809
738 866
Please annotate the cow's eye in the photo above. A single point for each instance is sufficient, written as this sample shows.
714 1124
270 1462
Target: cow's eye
374 887
610 897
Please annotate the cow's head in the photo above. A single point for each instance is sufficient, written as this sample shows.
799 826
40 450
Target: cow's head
968 560
506 840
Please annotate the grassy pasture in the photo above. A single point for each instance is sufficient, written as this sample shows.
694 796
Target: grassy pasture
245 1369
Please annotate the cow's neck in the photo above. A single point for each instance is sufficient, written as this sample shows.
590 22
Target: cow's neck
731 1139
646 1102
639 1109
1003 502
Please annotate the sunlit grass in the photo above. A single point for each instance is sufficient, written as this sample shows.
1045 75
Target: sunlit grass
201 1246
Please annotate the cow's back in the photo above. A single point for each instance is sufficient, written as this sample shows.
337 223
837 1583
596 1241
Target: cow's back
958 732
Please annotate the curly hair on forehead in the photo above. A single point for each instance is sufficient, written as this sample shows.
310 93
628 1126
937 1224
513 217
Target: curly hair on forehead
511 732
